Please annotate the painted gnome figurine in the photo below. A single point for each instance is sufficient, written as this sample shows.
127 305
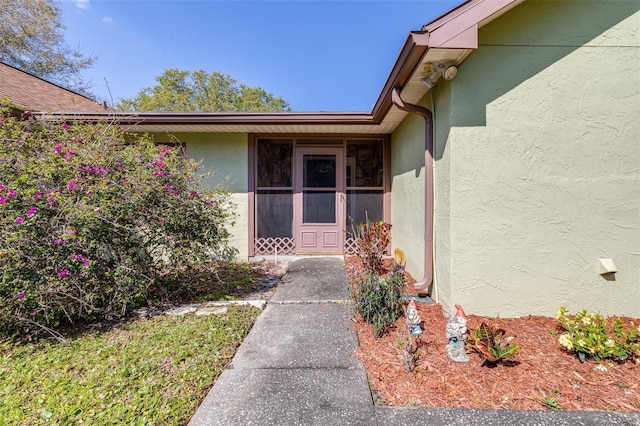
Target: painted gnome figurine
413 319
457 333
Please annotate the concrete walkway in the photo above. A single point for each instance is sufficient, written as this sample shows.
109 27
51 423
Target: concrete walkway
295 368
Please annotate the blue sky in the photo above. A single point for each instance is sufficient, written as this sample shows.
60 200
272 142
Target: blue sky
318 55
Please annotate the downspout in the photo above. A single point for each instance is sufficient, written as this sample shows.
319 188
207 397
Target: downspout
427 280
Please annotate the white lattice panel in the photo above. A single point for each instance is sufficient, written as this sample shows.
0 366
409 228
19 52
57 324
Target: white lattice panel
350 246
278 245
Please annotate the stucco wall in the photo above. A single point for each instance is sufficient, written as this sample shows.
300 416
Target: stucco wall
543 157
225 155
407 192
441 95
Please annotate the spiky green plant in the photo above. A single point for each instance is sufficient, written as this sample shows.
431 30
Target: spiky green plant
379 300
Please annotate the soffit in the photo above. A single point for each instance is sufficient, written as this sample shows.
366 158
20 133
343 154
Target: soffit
385 127
413 91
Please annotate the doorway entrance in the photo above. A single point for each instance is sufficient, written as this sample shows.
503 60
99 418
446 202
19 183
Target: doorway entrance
319 201
306 194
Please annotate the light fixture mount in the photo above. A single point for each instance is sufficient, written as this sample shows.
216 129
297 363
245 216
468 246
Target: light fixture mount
450 72
433 72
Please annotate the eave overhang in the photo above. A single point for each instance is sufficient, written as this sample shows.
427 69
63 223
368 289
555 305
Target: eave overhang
447 40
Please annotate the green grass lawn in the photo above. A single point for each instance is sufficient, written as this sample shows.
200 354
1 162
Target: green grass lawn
143 372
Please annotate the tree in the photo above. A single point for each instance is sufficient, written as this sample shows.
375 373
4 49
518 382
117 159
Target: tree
199 91
32 40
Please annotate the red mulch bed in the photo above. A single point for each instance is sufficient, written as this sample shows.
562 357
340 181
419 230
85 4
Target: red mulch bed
541 369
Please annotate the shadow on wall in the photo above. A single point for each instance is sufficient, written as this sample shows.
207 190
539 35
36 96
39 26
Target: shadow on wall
525 41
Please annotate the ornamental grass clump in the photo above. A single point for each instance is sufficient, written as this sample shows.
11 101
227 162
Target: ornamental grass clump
590 336
91 217
377 297
379 300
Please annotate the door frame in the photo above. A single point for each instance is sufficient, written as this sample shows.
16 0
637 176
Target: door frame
327 238
286 245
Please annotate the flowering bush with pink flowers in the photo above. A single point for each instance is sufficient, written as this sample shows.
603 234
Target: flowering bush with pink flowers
92 217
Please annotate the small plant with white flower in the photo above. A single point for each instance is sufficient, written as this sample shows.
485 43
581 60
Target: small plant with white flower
589 335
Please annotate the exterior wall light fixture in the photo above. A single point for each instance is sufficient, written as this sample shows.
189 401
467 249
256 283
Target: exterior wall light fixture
434 71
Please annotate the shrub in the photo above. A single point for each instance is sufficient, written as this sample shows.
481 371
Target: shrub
491 344
589 336
379 300
372 239
91 216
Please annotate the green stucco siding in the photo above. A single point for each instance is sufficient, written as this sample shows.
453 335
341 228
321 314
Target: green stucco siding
225 155
543 161
407 192
442 194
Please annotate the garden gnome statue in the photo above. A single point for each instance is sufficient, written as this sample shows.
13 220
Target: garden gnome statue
413 319
457 333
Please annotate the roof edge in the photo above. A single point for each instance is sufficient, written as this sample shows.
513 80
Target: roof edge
159 118
456 29
414 48
106 107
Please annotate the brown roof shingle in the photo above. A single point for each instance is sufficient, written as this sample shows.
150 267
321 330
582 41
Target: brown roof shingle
30 92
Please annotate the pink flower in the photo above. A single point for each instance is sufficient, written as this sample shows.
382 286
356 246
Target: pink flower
21 295
37 195
71 184
57 149
85 263
63 272
58 241
11 193
51 201
65 126
31 211
1 187
19 219
3 200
